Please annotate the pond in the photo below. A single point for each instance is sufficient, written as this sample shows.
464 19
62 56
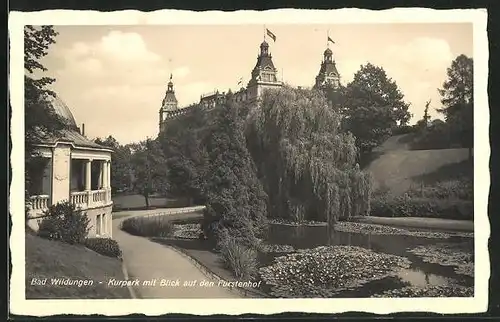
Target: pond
388 261
421 273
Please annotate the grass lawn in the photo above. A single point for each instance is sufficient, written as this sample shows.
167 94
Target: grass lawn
53 259
137 202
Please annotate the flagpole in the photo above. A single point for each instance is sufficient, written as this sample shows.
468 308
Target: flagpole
264 32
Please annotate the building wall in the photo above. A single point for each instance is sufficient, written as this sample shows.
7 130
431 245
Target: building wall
103 212
106 229
61 173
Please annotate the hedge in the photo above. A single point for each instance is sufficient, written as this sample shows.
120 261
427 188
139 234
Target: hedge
104 246
422 207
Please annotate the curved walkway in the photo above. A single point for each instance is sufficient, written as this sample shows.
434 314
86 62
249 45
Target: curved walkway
149 261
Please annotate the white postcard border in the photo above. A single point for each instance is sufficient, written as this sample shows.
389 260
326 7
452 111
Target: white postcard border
478 17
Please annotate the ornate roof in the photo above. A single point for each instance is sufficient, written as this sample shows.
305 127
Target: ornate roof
328 68
61 109
170 98
73 137
71 133
263 62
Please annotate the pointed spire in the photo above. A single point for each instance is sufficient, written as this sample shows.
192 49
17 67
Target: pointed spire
170 86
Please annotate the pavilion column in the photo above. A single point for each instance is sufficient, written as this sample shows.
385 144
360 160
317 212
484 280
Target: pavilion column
88 172
108 178
104 174
88 181
99 182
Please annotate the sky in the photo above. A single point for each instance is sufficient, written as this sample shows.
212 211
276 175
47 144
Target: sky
113 78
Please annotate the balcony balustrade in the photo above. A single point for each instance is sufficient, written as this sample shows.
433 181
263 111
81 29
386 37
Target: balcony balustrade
81 199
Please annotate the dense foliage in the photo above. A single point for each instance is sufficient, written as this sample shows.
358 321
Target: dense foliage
457 101
150 169
121 169
104 246
40 119
158 226
235 199
374 107
186 158
408 206
307 165
241 260
64 222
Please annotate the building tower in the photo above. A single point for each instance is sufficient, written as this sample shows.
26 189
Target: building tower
264 74
328 76
168 105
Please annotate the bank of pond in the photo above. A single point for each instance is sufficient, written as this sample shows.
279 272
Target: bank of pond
359 260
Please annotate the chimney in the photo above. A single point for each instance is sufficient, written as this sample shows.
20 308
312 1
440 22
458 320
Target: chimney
83 129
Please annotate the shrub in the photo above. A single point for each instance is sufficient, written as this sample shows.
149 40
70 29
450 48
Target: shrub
64 222
406 206
454 189
157 226
241 260
104 246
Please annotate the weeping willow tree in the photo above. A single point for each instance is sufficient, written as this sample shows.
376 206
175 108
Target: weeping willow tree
307 166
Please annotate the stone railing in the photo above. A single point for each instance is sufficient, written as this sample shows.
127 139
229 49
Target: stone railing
99 196
80 199
38 204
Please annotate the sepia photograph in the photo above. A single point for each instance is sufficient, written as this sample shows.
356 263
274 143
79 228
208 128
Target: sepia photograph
260 160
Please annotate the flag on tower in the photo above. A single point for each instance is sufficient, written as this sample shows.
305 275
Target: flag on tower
240 81
330 39
270 34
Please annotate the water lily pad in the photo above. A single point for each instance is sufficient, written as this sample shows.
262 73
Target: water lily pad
429 291
447 255
274 248
279 221
363 228
328 270
189 231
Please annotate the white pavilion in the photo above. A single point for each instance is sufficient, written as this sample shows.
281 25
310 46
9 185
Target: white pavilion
75 169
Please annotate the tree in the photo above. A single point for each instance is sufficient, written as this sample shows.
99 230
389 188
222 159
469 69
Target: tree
150 169
181 143
374 107
120 163
306 163
40 118
235 199
424 122
457 98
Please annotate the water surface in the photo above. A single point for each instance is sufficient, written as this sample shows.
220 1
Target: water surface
420 274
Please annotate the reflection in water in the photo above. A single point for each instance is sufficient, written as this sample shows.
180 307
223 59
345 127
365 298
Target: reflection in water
419 274
419 278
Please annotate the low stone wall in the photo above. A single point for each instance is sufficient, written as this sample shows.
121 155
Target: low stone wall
105 212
